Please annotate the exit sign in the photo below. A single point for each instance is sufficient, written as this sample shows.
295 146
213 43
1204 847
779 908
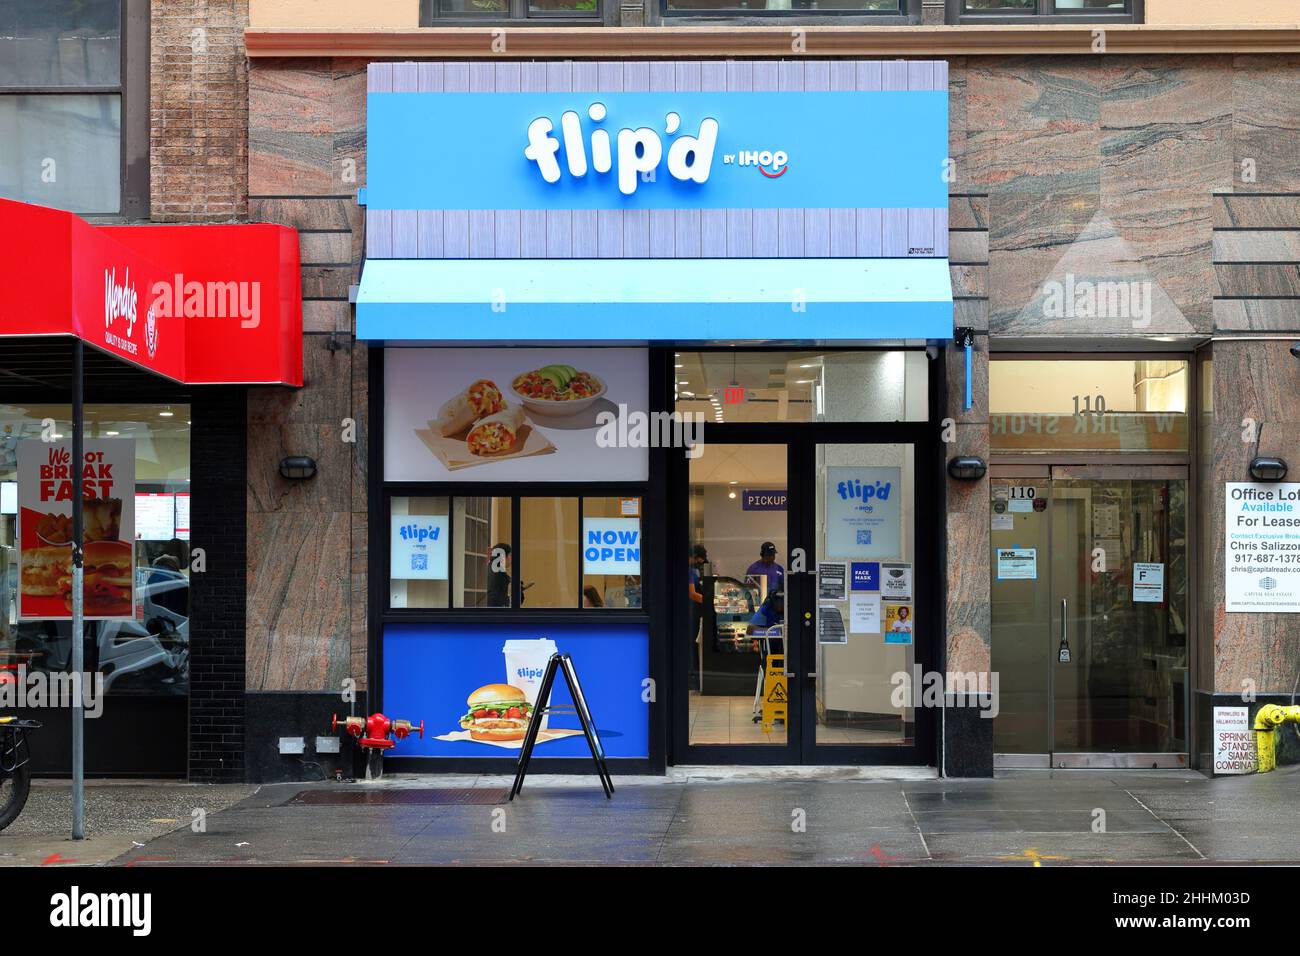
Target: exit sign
734 395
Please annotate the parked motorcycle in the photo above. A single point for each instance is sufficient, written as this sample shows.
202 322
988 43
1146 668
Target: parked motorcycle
15 774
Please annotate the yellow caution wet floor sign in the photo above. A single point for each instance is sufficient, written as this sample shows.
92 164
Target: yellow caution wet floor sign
775 692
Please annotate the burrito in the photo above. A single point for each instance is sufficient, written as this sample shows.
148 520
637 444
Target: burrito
496 433
481 399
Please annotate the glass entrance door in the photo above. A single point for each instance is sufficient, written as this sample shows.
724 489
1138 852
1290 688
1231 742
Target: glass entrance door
864 614
806 602
739 522
1090 617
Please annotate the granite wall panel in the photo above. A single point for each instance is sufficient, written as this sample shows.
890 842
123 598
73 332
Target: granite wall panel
1127 168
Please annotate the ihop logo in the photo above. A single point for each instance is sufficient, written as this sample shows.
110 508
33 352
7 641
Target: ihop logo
772 163
632 155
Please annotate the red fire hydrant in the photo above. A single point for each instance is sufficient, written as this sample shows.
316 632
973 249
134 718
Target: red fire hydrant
374 735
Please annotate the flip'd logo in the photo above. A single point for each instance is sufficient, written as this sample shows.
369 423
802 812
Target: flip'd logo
639 151
856 490
419 533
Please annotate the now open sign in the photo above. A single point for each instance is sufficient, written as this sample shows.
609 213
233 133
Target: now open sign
611 545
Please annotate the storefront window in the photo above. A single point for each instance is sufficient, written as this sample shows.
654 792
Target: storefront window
572 552
420 569
484 560
611 550
148 652
548 551
730 386
1092 405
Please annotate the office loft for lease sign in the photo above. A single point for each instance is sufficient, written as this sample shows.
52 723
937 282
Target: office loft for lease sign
1262 547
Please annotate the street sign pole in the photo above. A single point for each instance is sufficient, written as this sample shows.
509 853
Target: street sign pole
78 597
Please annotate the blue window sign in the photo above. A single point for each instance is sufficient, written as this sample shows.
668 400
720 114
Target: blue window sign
864 576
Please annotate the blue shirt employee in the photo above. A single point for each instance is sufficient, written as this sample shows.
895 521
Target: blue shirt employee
767 566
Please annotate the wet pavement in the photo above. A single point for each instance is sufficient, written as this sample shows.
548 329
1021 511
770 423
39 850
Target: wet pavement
120 816
716 816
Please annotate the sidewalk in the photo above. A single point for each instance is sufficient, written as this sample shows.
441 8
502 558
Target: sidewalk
693 816
120 816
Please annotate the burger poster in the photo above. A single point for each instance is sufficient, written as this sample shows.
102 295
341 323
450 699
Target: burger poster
45 486
476 686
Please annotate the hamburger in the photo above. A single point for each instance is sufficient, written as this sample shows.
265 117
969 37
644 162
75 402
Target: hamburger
107 577
46 571
497 712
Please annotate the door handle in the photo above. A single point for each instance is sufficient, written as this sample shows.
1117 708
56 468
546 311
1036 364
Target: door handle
790 674
812 675
1063 651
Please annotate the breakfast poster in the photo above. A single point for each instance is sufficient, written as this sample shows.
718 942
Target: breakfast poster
45 476
552 414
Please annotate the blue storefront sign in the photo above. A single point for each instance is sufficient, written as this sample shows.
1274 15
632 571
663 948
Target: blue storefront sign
469 682
765 499
864 576
587 150
611 545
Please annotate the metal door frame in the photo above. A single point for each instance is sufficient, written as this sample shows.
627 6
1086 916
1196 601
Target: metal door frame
1095 469
801 440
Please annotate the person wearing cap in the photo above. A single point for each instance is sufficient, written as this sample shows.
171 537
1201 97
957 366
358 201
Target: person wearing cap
699 557
767 566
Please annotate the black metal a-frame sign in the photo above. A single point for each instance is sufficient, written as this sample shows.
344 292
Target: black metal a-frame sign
544 706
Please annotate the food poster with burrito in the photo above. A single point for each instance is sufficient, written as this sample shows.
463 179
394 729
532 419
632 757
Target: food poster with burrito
475 687
45 486
555 414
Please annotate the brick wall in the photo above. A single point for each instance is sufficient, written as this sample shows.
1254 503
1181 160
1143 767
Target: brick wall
198 96
217 602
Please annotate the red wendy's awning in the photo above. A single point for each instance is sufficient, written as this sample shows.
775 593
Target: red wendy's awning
197 304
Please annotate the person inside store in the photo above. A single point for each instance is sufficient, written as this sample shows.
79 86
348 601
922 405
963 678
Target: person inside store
498 583
699 557
768 621
591 597
694 588
767 567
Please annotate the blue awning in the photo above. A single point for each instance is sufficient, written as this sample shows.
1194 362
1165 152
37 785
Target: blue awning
654 300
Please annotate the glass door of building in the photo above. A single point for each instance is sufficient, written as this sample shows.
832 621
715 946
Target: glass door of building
1090 615
806 598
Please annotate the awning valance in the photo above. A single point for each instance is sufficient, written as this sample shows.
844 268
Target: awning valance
654 300
199 304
